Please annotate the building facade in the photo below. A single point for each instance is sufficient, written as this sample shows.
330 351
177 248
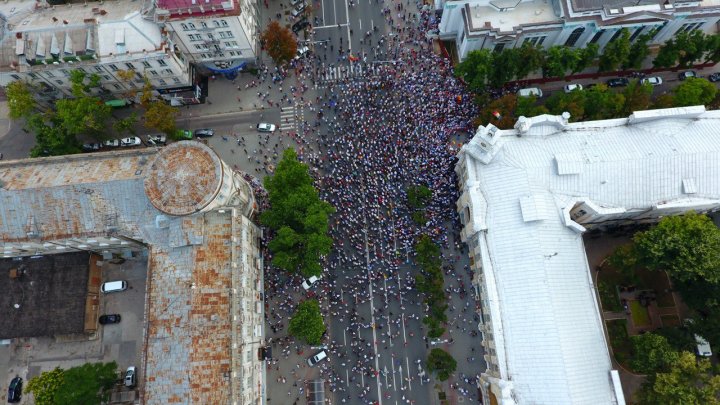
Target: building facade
499 24
527 196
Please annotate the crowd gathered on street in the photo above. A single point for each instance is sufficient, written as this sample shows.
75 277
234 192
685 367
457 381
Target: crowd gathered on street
366 140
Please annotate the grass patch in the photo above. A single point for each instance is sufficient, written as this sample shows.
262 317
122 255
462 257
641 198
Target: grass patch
619 340
640 314
670 321
609 297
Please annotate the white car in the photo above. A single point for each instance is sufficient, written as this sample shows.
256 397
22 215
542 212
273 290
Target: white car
112 143
157 139
302 51
309 282
131 141
265 127
322 355
298 10
130 379
655 80
572 87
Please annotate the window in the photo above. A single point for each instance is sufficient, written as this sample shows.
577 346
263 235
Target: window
233 43
688 27
615 35
162 62
222 35
217 48
16 77
535 40
107 77
658 29
211 36
203 24
167 71
224 23
50 74
113 67
574 36
636 33
65 72
216 22
154 72
499 47
597 36
32 75
130 66
198 47
221 55
161 81
191 25
176 80
146 64
99 69
60 82
229 34
232 53
117 86
184 26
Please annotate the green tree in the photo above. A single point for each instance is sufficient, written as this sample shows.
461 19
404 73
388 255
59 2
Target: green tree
505 66
637 97
712 46
691 46
21 102
560 59
686 246
587 56
161 116
88 384
51 139
307 322
528 107
476 69
688 381
616 52
44 386
652 353
530 58
600 103
505 106
664 101
573 102
418 196
667 55
279 43
441 362
126 124
639 50
694 91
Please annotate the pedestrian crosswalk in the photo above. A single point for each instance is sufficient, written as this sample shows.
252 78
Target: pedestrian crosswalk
333 74
290 116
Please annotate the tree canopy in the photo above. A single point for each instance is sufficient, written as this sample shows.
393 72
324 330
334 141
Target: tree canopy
279 43
616 52
21 102
694 91
430 282
652 353
161 116
307 322
441 362
88 384
688 381
298 216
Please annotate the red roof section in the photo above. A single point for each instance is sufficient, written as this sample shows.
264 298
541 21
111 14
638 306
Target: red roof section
196 8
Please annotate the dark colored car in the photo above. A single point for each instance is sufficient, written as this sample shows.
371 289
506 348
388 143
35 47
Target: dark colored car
91 147
204 133
618 82
15 390
686 74
715 77
112 318
300 25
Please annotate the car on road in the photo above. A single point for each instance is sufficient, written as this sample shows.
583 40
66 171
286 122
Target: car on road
300 25
112 143
322 355
687 74
15 390
715 77
91 147
108 319
572 87
530 92
204 132
618 82
130 377
655 80
184 134
131 141
157 139
296 2
298 10
302 52
309 282
265 127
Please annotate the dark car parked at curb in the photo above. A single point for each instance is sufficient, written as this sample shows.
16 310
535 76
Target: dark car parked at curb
300 25
687 74
618 82
715 77
107 319
15 390
204 133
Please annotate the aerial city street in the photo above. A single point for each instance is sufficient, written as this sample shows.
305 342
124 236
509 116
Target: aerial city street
359 202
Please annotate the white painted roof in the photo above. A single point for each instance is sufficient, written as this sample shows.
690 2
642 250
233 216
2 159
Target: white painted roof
553 345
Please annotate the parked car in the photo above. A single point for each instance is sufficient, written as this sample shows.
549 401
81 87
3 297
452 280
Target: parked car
265 127
112 143
298 10
296 2
300 25
184 134
529 92
686 74
572 87
131 141
130 377
302 51
91 147
108 319
204 133
655 80
157 139
309 282
15 390
114 286
322 355
618 82
715 77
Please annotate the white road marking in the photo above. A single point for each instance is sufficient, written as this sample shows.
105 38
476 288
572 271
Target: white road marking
347 14
407 363
329 26
403 324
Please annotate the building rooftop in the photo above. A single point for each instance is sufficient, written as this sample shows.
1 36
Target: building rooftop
195 261
195 8
522 182
490 14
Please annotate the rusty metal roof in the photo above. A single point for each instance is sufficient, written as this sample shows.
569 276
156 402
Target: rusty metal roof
185 177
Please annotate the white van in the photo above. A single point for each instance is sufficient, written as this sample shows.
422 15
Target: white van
703 347
317 358
529 92
114 286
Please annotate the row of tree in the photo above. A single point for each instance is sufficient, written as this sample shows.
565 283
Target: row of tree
307 322
430 282
419 197
596 103
297 217
484 68
88 384
59 131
